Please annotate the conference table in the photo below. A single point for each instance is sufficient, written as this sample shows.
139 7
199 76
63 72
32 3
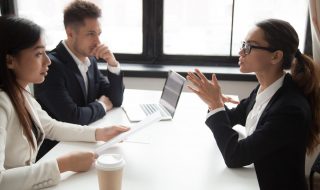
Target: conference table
167 155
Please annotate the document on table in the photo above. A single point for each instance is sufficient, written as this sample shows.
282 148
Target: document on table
149 120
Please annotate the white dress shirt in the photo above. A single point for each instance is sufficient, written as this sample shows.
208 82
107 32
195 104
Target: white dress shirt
82 65
262 99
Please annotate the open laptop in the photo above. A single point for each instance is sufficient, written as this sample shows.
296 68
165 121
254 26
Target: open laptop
168 102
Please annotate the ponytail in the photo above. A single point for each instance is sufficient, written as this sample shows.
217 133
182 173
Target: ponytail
306 74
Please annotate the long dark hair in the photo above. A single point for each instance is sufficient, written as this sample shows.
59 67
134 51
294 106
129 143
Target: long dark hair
305 72
16 34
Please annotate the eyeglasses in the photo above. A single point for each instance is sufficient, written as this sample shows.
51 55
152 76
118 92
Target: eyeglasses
246 47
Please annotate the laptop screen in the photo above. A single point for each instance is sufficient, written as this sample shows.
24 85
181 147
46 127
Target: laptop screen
171 91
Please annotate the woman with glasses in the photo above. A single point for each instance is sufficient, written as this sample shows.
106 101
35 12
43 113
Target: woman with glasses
23 124
281 116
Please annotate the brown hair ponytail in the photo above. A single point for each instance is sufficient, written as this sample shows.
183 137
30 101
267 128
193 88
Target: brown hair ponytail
306 73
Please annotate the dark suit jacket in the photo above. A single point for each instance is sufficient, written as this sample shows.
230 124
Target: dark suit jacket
278 145
63 95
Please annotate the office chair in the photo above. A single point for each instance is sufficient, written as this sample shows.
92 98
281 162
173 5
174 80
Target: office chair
315 168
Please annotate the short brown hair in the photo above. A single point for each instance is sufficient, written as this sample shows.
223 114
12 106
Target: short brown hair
76 12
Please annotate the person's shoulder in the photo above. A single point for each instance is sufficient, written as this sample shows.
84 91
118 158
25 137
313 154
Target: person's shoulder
57 60
291 90
57 54
5 101
54 56
4 95
291 97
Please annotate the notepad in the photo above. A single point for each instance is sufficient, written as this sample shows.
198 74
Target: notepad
148 121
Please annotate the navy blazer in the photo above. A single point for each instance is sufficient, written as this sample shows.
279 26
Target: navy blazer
278 145
63 95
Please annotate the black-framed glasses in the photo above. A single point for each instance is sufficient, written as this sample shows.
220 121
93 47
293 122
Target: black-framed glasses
246 47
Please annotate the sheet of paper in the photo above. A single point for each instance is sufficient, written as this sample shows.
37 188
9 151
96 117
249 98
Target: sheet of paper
149 120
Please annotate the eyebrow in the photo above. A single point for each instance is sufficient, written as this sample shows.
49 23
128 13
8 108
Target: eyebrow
93 31
39 47
252 41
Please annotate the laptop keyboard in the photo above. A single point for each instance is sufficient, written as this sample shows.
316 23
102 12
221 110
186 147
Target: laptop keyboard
148 109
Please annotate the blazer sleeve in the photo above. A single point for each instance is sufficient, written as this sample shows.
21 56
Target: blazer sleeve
113 89
239 114
246 151
62 131
34 176
56 100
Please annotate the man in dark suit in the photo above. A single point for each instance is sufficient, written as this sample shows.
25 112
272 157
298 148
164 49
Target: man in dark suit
75 91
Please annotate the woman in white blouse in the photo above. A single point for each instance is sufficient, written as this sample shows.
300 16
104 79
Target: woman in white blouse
23 124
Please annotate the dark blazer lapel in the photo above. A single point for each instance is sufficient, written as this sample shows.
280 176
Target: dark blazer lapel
286 83
252 101
67 59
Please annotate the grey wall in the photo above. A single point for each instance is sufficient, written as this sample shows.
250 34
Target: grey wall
242 89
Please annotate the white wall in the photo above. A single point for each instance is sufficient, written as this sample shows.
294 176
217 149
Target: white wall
242 89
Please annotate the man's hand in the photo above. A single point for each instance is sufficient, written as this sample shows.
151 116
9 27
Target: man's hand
102 51
106 101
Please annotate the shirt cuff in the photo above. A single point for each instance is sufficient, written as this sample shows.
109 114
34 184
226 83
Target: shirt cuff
104 106
114 70
212 112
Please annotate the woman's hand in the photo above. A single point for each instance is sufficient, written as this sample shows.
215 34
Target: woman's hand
76 161
208 91
229 99
106 133
82 161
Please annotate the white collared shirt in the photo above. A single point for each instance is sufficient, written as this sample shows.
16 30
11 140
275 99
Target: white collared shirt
262 99
82 65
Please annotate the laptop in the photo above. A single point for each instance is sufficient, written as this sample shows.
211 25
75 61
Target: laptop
168 102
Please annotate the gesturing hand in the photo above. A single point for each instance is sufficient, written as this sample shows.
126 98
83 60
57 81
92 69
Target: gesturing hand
208 91
229 99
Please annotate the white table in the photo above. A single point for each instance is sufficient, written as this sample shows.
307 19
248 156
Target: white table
170 155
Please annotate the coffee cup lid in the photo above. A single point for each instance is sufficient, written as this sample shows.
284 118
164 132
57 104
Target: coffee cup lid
110 162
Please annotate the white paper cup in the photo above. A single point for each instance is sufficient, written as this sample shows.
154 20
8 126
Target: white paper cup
109 169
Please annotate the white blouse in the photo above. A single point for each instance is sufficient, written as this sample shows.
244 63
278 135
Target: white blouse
262 99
